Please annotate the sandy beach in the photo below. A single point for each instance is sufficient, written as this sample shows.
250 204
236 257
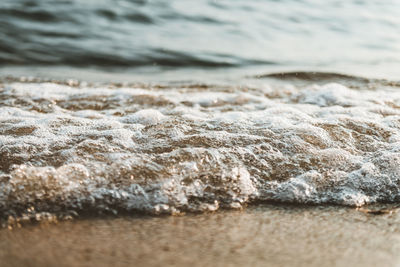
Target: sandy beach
266 235
164 133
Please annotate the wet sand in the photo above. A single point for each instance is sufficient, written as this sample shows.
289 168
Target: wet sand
267 235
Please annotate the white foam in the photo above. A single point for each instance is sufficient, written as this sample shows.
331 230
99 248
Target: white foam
145 117
176 149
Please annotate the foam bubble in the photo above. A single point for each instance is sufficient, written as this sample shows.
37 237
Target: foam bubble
145 117
66 149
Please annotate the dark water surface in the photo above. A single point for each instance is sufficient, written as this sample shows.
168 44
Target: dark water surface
356 37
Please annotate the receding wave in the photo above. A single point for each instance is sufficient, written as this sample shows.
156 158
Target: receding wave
313 76
67 149
304 78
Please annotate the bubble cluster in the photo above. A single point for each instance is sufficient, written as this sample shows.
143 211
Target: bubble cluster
67 149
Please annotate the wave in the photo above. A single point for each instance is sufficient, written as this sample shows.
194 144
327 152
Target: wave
142 35
69 148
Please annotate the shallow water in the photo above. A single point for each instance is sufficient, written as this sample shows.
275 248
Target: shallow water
65 149
356 37
205 128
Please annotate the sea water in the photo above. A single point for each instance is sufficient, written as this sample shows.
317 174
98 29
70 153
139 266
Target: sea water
235 38
169 149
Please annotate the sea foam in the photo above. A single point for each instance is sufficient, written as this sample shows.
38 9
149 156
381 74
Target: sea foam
170 149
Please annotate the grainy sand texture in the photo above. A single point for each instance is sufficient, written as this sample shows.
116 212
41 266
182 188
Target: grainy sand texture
267 235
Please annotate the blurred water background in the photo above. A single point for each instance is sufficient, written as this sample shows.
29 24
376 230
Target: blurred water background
175 40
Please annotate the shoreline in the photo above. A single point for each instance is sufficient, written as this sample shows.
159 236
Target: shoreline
267 234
